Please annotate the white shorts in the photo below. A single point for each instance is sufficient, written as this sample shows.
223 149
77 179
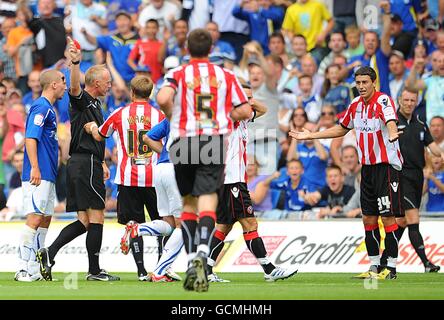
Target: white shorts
169 201
39 199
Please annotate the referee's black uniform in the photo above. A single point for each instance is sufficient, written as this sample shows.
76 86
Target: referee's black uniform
86 188
416 136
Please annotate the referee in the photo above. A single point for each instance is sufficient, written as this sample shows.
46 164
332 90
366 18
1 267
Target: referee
86 169
416 136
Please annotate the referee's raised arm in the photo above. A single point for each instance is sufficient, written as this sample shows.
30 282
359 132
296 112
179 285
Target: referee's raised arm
75 56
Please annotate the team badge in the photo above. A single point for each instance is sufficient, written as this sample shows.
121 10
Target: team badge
38 119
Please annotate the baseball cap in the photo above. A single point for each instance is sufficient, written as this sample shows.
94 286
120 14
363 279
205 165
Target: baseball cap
124 13
398 54
171 62
431 24
143 69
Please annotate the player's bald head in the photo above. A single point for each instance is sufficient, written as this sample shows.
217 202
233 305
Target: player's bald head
50 76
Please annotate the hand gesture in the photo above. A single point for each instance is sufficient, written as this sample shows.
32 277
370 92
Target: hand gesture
301 135
89 126
35 176
385 5
395 136
74 53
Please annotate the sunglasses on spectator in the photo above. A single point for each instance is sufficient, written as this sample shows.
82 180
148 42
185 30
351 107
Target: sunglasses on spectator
331 113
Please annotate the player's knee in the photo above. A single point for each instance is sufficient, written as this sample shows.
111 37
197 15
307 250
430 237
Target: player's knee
388 221
224 228
248 224
34 220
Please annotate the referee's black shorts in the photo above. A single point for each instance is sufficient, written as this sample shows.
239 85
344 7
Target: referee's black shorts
85 186
234 203
131 202
412 184
381 191
199 164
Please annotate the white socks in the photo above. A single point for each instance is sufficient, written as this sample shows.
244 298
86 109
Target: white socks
26 247
170 252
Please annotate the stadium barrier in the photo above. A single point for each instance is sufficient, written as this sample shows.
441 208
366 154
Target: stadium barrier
316 246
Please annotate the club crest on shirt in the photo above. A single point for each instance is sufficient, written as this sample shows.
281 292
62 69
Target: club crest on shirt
38 119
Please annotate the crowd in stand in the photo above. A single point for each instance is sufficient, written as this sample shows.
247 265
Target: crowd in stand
298 57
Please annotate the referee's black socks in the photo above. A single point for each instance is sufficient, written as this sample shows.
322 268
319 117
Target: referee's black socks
93 245
417 242
69 233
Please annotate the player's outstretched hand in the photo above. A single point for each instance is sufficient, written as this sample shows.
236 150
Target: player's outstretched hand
74 50
396 136
300 135
88 127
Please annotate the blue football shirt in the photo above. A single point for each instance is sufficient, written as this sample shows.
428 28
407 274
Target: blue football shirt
160 131
42 126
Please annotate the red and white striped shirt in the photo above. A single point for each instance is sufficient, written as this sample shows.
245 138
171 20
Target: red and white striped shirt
205 96
236 159
372 134
135 159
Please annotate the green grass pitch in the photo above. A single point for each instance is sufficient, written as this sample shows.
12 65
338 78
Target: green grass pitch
245 286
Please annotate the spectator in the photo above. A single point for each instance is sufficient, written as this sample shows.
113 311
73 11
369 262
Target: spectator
434 185
434 101
259 186
308 67
334 92
297 120
36 89
344 13
260 20
16 178
314 157
20 48
306 17
306 100
197 13
221 48
13 141
337 46
277 67
3 130
234 31
49 33
295 186
400 40
177 45
407 11
119 45
114 6
115 99
148 51
5 59
242 71
276 46
353 39
353 207
14 206
335 194
91 16
398 75
429 38
437 130
299 50
328 119
350 166
165 12
376 54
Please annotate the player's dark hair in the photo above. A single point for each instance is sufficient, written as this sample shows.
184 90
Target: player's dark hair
152 21
334 167
199 43
366 71
277 34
